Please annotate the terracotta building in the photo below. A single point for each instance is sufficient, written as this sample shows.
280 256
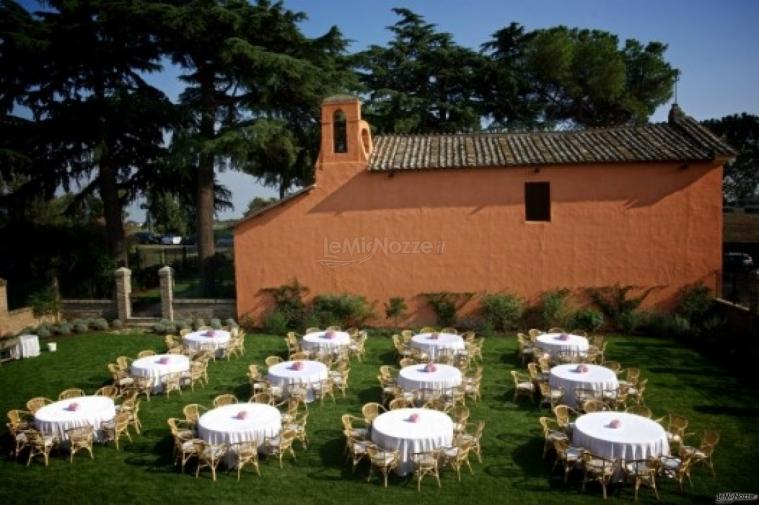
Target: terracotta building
403 215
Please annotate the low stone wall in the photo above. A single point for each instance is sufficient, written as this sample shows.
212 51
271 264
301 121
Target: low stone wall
204 308
13 321
89 309
741 322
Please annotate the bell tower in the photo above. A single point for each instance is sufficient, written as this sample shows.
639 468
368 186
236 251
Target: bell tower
345 137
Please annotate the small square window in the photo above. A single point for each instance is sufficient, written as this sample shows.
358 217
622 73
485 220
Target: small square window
537 201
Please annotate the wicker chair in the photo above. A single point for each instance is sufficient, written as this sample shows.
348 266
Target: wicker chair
703 453
37 403
405 362
208 456
281 444
184 438
117 427
263 398
172 382
67 394
399 403
142 386
676 468
299 356
594 406
674 426
297 424
636 392
564 415
382 461
273 360
370 411
191 413
639 410
426 463
642 473
111 392
355 448
339 379
246 453
80 439
460 416
120 377
39 445
132 407
598 469
473 434
123 363
551 433
456 457
355 433
145 354
225 399
197 374
523 386
18 422
550 396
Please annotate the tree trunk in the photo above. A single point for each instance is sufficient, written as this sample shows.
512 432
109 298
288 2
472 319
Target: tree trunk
114 226
205 192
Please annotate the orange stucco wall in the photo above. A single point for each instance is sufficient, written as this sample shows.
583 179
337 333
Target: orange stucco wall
379 235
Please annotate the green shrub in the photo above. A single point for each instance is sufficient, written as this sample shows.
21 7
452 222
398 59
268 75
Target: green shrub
81 328
502 312
288 301
697 306
632 321
231 323
198 323
589 319
45 302
100 324
216 323
116 324
43 332
554 308
276 323
183 325
62 329
446 305
159 328
341 309
615 301
395 309
662 324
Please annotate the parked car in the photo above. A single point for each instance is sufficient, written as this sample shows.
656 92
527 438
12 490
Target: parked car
171 239
225 241
145 237
737 262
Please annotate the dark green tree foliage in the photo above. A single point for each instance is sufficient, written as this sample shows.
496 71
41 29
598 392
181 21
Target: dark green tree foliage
574 77
422 81
741 178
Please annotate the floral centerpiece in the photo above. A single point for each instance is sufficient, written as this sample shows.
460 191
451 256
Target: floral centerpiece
563 337
243 414
434 336
413 418
329 334
72 407
615 423
297 365
430 367
582 368
163 360
209 333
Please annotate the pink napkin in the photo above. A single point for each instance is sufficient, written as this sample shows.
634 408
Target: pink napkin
163 361
242 415
329 334
298 365
615 423
72 407
563 336
209 333
430 367
433 336
582 368
413 418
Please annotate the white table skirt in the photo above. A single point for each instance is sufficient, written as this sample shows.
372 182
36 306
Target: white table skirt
393 430
151 367
637 438
199 340
28 346
431 346
597 378
284 376
220 425
553 345
317 341
414 377
55 419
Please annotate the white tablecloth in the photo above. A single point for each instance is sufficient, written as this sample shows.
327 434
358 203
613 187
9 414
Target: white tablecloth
393 430
316 341
220 425
151 367
199 340
55 419
597 378
637 438
553 345
283 375
443 341
28 346
445 378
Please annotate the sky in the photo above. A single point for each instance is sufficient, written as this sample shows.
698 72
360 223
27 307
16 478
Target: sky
713 43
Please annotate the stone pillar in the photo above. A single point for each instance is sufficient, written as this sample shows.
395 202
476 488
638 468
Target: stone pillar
3 297
123 292
167 292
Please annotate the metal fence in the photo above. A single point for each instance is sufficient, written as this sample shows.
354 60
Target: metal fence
741 287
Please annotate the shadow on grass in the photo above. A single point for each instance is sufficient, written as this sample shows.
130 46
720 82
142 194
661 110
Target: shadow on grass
722 410
372 394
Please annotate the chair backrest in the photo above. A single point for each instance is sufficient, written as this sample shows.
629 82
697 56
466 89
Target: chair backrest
639 410
709 440
145 354
398 403
225 399
123 362
407 362
273 360
80 434
614 366
37 403
298 356
459 413
110 391
371 410
265 398
191 412
562 415
633 374
533 370
71 393
556 329
594 406
545 364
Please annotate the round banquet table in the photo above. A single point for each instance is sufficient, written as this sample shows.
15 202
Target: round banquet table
283 375
214 340
597 378
152 367
393 430
56 418
554 345
432 346
636 438
318 341
443 379
221 425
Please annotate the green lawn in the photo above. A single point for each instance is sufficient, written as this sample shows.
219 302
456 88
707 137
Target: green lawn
512 471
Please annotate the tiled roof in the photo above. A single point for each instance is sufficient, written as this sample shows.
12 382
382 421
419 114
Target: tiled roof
681 139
